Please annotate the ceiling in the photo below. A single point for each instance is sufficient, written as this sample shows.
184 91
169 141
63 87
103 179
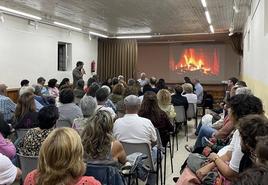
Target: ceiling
122 17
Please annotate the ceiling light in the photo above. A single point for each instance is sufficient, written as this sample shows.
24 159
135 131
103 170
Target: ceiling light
15 12
208 17
98 34
67 26
236 9
211 28
134 37
2 19
204 3
230 34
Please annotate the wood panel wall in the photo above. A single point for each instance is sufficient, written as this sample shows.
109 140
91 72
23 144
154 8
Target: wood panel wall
13 94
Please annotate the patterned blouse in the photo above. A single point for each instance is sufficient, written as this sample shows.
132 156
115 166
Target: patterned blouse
30 144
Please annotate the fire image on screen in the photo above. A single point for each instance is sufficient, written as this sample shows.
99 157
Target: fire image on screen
195 61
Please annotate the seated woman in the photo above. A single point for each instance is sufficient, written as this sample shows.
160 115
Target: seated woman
98 141
30 144
25 113
79 91
150 110
188 93
52 88
117 93
57 163
164 103
229 158
88 106
8 172
7 148
65 83
68 110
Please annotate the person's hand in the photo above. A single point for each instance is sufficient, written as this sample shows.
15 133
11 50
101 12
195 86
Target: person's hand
83 71
202 172
213 156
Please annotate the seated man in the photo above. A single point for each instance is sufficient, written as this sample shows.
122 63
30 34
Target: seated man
177 99
102 97
135 129
7 106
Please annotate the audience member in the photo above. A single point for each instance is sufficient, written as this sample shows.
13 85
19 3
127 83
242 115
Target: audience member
65 83
198 91
29 89
108 102
131 82
78 72
98 141
57 163
93 89
41 82
8 172
262 151
89 82
88 106
177 99
150 110
188 80
164 102
102 97
68 110
161 84
52 89
188 93
79 91
7 106
117 94
24 82
30 144
143 80
25 113
153 82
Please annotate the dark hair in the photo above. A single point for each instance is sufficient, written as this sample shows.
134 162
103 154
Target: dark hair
153 80
252 176
93 89
52 83
251 127
146 88
79 63
115 81
243 104
131 82
241 83
4 127
187 79
178 89
48 116
40 80
262 150
64 82
66 96
233 80
102 94
161 84
90 81
150 109
24 82
80 84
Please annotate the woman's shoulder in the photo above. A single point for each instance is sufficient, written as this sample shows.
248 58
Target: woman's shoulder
87 180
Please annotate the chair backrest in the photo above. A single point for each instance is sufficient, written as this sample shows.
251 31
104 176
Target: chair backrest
191 111
63 123
21 132
106 174
27 164
180 114
158 141
144 148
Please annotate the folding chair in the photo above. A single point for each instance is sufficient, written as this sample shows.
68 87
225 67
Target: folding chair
145 148
180 119
63 123
27 164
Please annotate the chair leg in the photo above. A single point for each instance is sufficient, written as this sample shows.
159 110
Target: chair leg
165 164
186 131
171 160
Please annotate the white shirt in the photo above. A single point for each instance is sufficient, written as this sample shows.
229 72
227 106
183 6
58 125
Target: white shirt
8 171
199 92
143 82
235 148
191 98
134 129
108 109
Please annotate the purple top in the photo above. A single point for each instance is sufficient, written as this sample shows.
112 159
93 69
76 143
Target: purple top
7 148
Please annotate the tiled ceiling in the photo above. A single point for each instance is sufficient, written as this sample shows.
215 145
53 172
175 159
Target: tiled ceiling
117 17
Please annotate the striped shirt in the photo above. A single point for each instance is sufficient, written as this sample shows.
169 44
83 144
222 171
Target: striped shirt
7 107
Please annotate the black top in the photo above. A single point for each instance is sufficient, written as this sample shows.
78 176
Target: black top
179 100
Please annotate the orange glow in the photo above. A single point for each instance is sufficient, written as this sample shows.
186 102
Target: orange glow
196 61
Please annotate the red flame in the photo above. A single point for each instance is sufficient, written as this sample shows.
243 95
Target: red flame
191 61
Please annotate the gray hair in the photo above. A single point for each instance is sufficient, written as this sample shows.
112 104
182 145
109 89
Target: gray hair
88 105
106 87
243 90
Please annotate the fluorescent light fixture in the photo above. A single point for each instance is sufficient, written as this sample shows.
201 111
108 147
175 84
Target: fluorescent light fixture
230 34
204 3
67 26
98 34
134 37
236 9
16 12
211 28
208 17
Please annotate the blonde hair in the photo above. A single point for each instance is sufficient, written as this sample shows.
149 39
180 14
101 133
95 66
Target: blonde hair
164 97
187 87
60 158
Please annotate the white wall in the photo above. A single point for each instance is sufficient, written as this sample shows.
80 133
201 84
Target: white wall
255 59
26 53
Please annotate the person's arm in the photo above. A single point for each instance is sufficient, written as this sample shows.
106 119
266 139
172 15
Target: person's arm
222 166
19 173
78 74
118 152
11 105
